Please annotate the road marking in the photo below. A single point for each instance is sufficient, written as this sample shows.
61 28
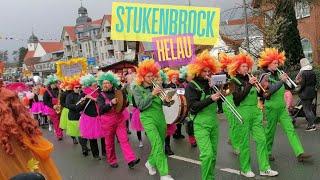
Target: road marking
185 159
229 170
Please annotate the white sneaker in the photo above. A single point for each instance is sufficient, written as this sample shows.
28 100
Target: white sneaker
269 172
140 144
152 170
167 177
248 174
50 127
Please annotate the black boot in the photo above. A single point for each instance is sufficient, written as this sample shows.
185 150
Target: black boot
168 151
74 140
133 163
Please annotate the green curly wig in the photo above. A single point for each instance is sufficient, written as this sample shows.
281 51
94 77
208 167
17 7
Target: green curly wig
163 76
183 72
109 76
87 80
51 79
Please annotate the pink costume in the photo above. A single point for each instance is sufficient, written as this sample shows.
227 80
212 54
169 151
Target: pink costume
135 119
54 117
112 124
288 98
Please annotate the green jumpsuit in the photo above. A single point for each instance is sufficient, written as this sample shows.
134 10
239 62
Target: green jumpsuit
232 122
276 111
206 131
252 125
154 124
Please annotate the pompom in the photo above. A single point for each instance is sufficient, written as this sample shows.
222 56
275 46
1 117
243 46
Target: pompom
238 60
163 76
109 76
269 55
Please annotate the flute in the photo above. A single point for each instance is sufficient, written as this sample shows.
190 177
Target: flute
84 98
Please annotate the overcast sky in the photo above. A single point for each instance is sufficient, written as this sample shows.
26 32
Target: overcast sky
47 17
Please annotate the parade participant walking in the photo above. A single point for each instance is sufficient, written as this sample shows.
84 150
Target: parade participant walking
36 105
275 107
147 99
113 123
90 122
50 100
245 98
75 108
233 135
202 105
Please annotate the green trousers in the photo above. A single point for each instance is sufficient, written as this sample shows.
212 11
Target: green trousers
252 126
154 124
275 115
206 133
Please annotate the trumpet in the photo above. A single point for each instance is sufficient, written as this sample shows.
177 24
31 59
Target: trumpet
162 94
229 105
289 81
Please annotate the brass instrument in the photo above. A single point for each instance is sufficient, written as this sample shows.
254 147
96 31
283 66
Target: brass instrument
260 88
289 81
229 105
162 94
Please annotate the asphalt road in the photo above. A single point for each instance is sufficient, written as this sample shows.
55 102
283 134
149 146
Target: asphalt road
185 165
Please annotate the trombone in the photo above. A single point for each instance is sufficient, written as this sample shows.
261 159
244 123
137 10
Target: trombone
289 81
229 105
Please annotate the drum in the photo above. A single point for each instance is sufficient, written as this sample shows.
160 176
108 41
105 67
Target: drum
121 101
177 111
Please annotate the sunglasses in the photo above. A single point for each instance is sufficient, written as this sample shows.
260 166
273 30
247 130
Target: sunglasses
77 87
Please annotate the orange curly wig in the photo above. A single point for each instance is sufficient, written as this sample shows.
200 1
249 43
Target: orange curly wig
171 73
238 60
145 67
202 61
15 121
269 55
74 83
225 60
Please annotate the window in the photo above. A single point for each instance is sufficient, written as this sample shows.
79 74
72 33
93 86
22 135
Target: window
302 10
307 49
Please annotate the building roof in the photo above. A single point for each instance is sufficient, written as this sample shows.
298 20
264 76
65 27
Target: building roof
33 39
97 22
71 32
29 55
51 47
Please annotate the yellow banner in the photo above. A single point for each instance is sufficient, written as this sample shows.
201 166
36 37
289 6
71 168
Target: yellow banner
142 22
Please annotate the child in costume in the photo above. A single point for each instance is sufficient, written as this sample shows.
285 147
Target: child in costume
75 108
50 100
152 117
203 104
36 105
245 97
275 107
90 122
113 123
23 149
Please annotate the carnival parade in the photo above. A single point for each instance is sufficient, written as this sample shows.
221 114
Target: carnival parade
202 114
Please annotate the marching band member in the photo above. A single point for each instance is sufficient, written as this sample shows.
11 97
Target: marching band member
174 83
225 61
134 112
275 107
66 89
246 100
21 141
185 78
75 108
147 99
113 123
203 104
50 99
90 124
